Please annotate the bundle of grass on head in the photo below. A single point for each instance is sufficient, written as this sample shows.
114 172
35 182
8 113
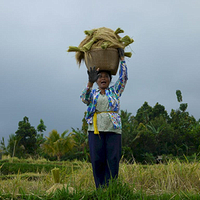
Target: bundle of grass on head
101 38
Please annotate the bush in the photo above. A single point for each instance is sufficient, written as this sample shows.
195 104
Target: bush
15 168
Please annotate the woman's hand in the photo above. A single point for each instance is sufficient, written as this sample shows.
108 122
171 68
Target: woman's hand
121 53
93 74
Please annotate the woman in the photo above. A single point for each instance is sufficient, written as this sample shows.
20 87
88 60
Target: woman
104 123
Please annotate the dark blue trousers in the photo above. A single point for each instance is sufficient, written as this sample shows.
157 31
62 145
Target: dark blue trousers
105 153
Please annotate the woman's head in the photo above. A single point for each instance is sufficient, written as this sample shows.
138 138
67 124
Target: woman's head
104 79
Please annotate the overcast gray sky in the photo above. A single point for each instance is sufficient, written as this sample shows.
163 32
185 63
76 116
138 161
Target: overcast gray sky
40 80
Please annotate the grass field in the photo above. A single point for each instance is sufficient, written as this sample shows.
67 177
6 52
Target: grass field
174 180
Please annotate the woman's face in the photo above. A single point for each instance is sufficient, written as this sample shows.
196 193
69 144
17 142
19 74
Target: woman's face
103 80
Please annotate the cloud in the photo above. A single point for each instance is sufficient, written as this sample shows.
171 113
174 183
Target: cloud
39 79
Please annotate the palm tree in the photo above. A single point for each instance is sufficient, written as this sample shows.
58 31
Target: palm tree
57 145
13 146
81 142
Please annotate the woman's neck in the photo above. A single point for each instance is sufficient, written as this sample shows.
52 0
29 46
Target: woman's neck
102 91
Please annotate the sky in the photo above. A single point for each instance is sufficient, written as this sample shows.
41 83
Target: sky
41 80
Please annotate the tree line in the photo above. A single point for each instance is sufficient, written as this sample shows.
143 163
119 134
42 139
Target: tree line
149 136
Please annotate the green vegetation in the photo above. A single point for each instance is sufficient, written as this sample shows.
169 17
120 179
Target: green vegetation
152 133
173 180
57 145
160 159
151 136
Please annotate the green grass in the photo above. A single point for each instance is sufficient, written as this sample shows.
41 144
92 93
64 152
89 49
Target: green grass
174 180
116 191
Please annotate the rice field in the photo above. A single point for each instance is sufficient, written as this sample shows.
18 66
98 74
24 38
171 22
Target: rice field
174 180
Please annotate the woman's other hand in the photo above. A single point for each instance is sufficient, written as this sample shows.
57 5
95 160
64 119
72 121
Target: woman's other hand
121 53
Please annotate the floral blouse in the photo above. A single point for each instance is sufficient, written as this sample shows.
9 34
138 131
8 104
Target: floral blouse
90 96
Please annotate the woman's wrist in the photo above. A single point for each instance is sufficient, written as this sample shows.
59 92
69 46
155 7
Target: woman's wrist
90 84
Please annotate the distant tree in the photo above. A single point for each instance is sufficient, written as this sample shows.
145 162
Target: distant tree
3 148
26 137
84 124
129 135
180 119
144 114
145 134
162 135
183 106
81 147
186 129
13 147
57 145
183 124
159 110
40 137
41 127
178 95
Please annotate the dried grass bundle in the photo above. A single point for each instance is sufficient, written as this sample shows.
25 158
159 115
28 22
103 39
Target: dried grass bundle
100 38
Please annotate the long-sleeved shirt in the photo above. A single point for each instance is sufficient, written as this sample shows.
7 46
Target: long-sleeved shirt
90 96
